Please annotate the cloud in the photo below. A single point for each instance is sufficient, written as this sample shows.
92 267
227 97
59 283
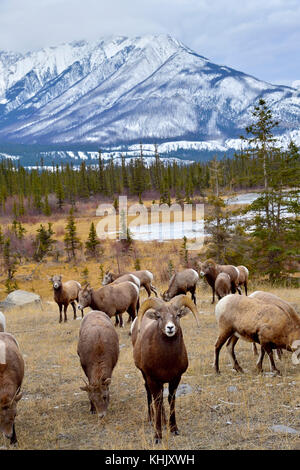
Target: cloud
259 38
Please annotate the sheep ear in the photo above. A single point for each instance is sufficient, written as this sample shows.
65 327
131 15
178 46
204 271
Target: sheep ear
19 396
49 278
106 381
85 389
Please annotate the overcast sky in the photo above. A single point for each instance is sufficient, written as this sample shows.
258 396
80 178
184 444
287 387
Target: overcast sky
258 37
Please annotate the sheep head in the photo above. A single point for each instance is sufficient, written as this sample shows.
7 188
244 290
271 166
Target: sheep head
8 411
84 297
107 278
56 281
167 314
207 267
296 348
99 395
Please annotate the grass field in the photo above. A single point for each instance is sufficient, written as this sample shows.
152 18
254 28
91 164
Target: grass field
229 411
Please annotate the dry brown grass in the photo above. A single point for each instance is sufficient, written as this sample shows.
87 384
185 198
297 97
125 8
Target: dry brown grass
54 412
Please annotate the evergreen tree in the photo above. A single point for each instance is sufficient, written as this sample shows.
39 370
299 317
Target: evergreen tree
71 240
92 243
43 242
10 266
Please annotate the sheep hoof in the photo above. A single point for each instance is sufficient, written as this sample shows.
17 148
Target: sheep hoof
157 440
175 433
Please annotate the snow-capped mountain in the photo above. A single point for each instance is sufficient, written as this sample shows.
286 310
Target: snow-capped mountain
124 90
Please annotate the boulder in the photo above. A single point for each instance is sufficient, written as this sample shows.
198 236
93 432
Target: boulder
20 298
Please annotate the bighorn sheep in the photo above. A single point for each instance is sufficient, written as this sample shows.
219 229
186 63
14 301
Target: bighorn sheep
256 321
273 299
209 269
65 293
181 283
243 277
145 277
2 322
159 352
98 350
113 299
11 377
222 285
136 281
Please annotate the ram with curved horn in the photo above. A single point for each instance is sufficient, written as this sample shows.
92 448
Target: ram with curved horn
160 354
254 320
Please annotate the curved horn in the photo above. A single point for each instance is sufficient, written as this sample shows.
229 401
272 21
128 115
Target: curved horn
185 301
17 391
152 302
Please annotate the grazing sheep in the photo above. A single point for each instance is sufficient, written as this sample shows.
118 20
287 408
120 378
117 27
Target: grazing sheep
256 321
2 322
222 285
145 277
273 299
181 283
159 352
210 270
65 293
243 277
136 281
113 299
11 377
98 350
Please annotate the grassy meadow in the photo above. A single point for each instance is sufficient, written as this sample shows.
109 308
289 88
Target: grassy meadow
230 411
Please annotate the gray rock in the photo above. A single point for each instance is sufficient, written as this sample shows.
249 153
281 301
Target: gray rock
284 429
20 298
183 389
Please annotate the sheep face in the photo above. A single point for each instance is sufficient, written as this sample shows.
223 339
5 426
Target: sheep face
99 396
56 282
107 278
8 412
168 319
206 268
84 297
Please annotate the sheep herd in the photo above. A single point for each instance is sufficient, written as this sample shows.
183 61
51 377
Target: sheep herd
159 350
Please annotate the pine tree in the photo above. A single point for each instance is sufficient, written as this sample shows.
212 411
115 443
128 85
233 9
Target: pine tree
43 242
10 266
71 240
92 243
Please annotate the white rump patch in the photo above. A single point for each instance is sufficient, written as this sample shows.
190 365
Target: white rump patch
2 352
247 271
196 274
238 272
136 280
149 274
2 322
78 284
222 305
135 286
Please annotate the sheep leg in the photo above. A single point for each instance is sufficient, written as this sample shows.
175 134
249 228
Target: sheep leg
213 298
147 289
278 354
131 312
65 312
92 409
154 290
157 394
269 351
74 310
60 312
149 400
116 320
193 290
260 360
230 348
171 399
245 285
223 337
254 349
13 439
233 288
239 290
121 320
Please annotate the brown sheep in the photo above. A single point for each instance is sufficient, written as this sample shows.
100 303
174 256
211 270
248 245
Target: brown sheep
222 285
130 278
181 283
243 277
98 350
145 277
113 299
11 377
65 293
253 320
159 353
210 269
